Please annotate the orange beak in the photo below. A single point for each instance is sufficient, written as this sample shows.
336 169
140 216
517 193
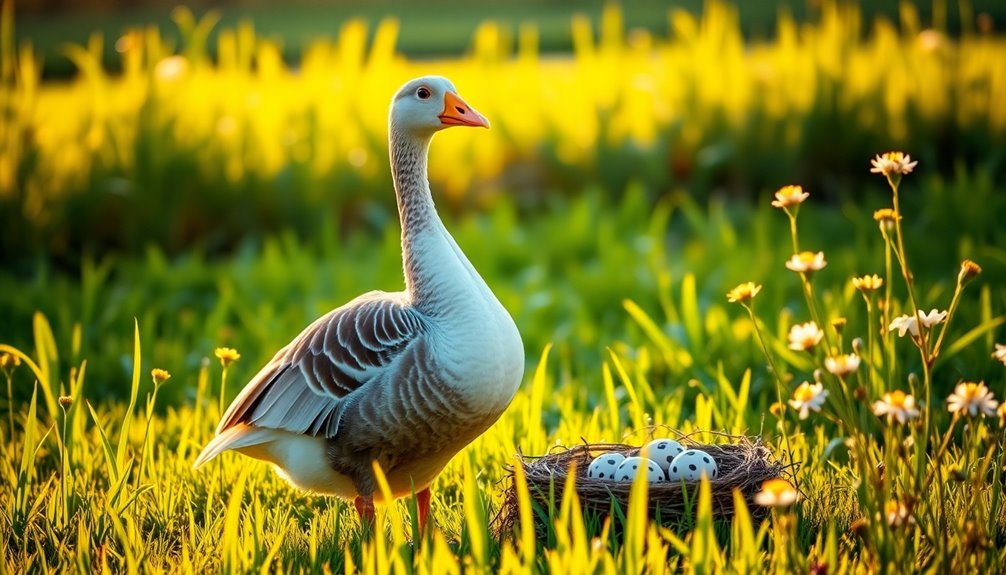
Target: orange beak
458 113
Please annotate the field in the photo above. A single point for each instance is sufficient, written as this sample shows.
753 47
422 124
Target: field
193 202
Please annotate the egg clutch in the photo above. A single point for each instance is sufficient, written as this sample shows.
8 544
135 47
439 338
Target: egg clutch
662 460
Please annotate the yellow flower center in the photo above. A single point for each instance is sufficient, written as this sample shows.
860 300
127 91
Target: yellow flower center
897 399
971 392
790 192
777 487
744 292
885 214
804 393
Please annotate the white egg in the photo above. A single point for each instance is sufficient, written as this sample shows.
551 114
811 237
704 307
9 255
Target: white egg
663 451
604 466
691 465
628 469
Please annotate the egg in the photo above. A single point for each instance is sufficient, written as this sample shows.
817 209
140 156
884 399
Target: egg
691 465
604 466
628 469
663 451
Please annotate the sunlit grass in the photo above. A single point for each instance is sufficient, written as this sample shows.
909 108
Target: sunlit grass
114 158
622 303
129 500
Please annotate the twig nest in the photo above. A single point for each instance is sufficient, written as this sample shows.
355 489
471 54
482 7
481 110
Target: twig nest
740 463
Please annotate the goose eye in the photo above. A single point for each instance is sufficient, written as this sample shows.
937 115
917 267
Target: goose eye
423 93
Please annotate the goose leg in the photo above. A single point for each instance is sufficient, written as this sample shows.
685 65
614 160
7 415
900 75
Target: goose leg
365 507
423 506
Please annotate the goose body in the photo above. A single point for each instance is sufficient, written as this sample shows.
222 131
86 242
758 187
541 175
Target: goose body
406 379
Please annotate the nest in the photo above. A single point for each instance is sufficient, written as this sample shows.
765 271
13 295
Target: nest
744 464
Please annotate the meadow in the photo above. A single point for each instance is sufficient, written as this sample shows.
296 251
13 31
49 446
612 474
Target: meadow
190 203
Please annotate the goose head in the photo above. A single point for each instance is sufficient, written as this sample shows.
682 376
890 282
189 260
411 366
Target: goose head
429 104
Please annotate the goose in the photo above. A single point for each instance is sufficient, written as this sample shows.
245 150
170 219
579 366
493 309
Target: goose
404 379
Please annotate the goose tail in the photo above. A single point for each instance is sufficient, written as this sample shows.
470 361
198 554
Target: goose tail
236 437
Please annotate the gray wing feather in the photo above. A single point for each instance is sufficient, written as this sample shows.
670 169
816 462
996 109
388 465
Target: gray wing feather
303 388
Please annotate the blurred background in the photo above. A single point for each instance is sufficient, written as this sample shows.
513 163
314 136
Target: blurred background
218 170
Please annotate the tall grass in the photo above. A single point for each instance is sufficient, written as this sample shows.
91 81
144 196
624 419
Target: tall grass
678 356
619 291
126 160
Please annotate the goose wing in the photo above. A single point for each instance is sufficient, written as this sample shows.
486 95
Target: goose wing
303 388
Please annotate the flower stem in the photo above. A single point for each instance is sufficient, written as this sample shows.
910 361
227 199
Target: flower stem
888 294
871 380
792 232
935 353
223 390
906 271
775 374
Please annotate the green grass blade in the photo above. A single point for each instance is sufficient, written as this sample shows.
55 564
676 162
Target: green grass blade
127 418
969 338
48 362
106 446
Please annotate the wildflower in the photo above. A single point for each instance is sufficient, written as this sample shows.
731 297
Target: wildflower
777 408
857 346
897 513
227 355
808 397
843 364
933 318
886 218
804 336
806 262
159 376
1000 353
838 324
743 293
777 493
65 401
905 323
9 361
969 271
868 283
971 398
892 163
896 405
789 196
911 324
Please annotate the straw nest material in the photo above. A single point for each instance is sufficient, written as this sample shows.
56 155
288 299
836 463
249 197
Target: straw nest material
744 464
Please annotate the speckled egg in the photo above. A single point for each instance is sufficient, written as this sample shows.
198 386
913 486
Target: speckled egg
604 466
663 451
628 469
691 464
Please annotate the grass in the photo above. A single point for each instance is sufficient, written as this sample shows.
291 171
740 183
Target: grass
131 501
430 28
114 163
159 217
